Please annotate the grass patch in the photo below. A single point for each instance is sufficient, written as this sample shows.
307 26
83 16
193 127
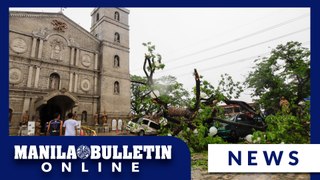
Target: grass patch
199 160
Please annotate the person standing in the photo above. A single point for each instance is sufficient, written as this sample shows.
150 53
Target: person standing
23 129
55 126
70 126
25 118
104 117
284 104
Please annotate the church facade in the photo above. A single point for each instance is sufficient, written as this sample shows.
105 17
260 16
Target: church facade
57 66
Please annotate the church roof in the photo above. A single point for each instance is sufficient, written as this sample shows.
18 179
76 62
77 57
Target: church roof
51 14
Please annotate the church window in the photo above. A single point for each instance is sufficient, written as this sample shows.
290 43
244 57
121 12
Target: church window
54 81
116 87
117 37
116 61
117 16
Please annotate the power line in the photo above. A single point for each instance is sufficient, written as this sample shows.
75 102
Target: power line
225 64
238 39
237 50
241 38
230 63
225 32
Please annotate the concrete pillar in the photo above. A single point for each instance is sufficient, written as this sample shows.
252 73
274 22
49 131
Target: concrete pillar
77 57
95 85
94 110
96 61
30 76
26 105
40 49
70 81
72 56
36 80
75 83
60 85
33 48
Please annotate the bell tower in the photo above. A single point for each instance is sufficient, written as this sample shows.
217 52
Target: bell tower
110 26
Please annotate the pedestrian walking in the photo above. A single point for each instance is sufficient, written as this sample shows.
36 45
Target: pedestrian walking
55 126
71 126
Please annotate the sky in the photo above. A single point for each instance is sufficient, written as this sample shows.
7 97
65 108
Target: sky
215 41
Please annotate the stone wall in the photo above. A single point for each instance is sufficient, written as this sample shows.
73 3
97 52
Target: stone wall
45 45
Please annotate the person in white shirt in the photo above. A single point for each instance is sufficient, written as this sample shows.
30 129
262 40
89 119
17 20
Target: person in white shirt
70 126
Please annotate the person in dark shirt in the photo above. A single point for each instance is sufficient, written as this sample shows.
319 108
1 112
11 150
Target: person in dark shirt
55 126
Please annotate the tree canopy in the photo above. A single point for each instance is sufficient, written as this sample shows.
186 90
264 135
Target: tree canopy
285 73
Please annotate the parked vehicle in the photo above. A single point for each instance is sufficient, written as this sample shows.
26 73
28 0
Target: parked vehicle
143 126
241 124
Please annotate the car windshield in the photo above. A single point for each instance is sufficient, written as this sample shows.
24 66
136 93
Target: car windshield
154 125
140 120
135 120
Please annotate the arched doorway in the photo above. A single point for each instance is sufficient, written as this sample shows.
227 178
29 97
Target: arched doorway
58 104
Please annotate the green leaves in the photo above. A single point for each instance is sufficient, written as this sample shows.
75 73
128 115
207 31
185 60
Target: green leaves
286 72
171 92
227 88
198 142
153 59
141 103
286 129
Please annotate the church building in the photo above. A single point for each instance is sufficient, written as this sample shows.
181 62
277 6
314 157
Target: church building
55 65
